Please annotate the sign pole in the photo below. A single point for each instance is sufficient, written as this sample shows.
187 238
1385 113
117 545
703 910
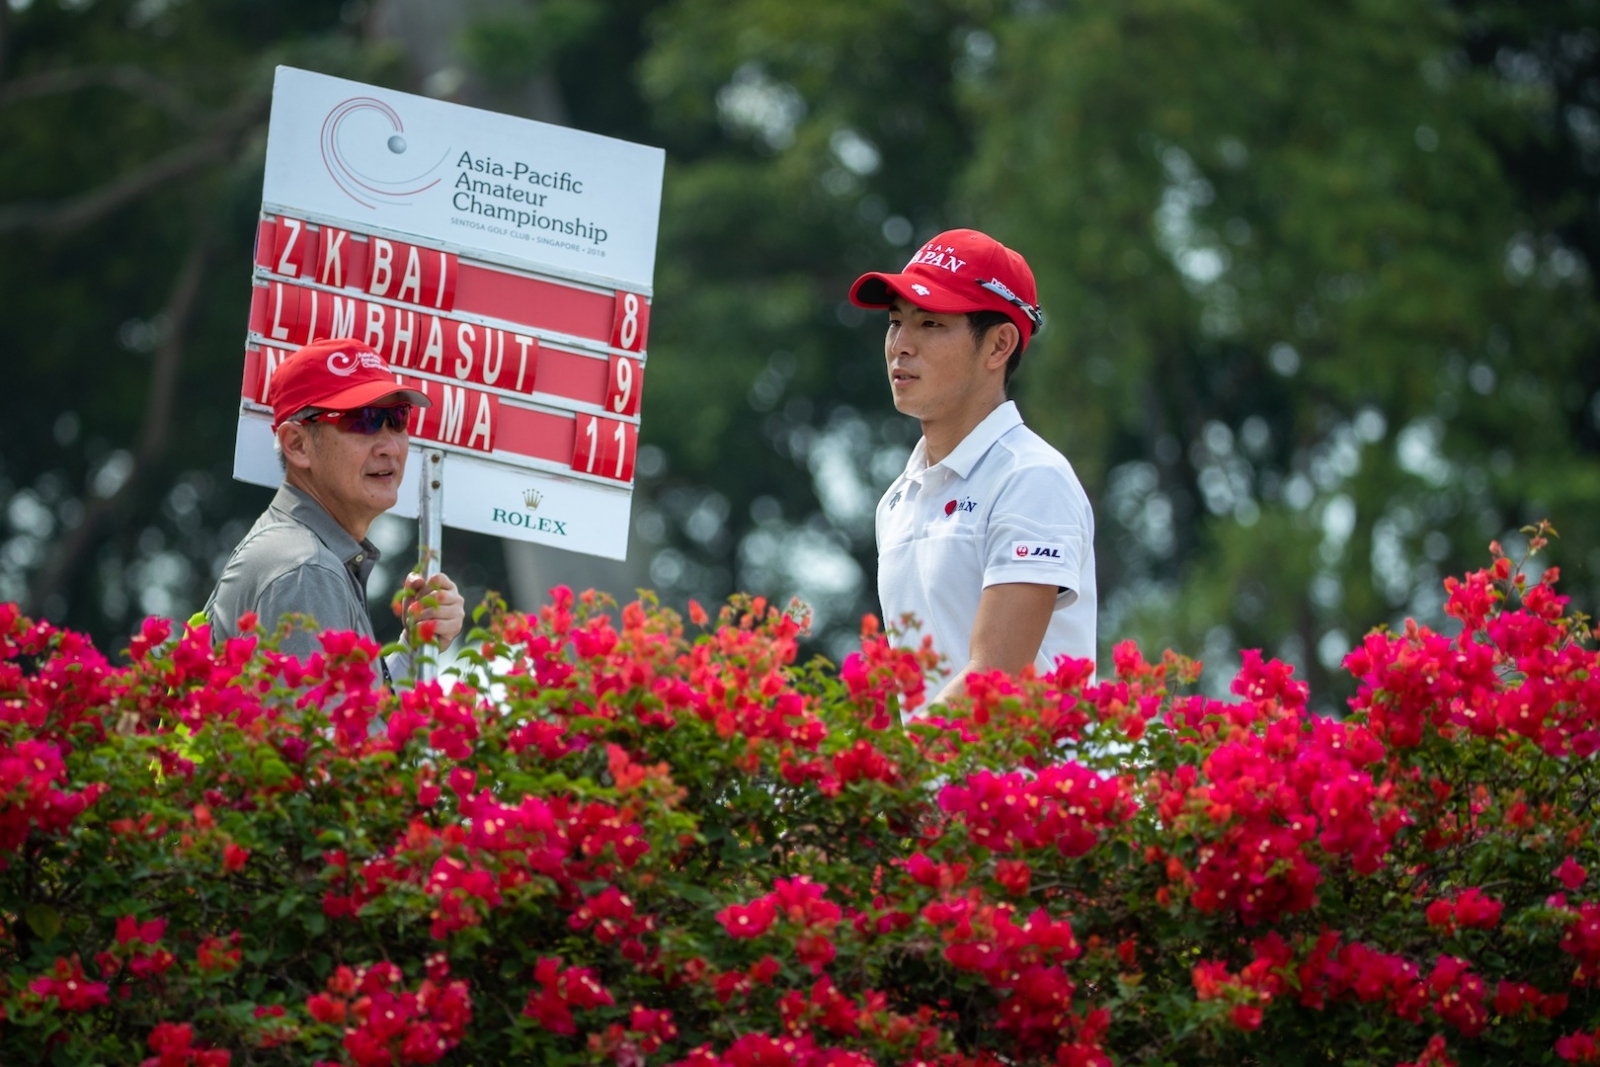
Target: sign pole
430 536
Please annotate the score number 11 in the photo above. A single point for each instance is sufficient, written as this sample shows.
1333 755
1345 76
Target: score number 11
605 447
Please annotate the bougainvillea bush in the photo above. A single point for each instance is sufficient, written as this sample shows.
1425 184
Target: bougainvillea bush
633 840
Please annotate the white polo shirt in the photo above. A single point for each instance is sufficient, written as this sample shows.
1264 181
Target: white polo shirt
1002 507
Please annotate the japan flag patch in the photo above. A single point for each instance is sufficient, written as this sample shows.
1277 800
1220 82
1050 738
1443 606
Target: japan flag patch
1036 550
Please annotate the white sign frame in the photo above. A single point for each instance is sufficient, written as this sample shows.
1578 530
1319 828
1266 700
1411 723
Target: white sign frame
338 154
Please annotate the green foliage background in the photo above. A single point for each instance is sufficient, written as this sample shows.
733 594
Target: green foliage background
1320 278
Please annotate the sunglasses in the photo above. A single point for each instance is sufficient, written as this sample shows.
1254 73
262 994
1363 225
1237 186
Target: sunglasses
366 421
999 289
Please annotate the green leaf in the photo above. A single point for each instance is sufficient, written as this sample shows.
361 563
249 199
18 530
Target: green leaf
43 920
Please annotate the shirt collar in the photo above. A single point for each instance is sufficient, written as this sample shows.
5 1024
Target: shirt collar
303 508
972 448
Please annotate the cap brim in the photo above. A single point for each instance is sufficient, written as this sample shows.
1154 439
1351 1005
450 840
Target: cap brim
370 394
877 290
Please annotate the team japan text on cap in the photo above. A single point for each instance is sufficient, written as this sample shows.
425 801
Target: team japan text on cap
336 375
958 271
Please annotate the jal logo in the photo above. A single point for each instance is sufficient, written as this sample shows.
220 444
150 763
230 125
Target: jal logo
1031 550
966 504
365 149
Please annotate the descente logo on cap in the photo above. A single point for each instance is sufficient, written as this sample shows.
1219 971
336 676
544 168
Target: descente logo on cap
345 364
1035 550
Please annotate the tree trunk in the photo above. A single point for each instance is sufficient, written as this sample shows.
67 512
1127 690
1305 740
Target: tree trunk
68 557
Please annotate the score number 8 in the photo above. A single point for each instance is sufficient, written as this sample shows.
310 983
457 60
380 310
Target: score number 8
630 322
628 331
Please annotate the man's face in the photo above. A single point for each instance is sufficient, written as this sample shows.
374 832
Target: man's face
356 477
935 364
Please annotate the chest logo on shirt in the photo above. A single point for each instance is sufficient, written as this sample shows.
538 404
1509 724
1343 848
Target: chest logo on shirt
895 499
965 504
1034 550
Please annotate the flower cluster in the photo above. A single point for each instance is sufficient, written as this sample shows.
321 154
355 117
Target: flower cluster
384 1024
558 991
1280 792
605 839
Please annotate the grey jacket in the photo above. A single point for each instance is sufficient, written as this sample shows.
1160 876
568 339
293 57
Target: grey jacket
297 558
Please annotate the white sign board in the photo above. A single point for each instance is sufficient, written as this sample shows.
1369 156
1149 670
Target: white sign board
502 266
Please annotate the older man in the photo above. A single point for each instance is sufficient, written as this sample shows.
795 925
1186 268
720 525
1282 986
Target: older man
340 423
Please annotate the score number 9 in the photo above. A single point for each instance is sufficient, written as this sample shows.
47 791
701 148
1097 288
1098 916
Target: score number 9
605 447
626 383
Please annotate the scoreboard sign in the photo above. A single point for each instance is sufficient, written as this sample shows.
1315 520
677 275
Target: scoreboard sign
502 266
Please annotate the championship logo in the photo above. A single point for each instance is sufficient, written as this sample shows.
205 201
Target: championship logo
344 363
363 141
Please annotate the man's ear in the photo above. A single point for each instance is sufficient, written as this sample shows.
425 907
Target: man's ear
295 441
998 344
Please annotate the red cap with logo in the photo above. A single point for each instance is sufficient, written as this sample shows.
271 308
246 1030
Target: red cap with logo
957 271
336 375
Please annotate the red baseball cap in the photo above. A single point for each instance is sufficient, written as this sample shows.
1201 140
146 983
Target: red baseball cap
960 270
338 375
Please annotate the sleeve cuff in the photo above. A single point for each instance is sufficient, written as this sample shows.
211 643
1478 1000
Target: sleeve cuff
1033 574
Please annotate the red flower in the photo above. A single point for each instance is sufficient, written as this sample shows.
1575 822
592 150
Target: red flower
69 988
1470 909
217 956
131 929
815 951
748 920
1014 875
1459 996
325 1009
1570 874
559 992
1433 1055
234 857
1579 1048
1246 1016
1476 911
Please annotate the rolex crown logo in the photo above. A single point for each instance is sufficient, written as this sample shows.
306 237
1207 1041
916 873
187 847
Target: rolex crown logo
532 498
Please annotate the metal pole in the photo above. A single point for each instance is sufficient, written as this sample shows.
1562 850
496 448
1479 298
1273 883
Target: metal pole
430 536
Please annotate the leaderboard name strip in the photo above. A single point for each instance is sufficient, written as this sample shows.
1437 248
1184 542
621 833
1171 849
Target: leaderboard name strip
385 268
514 363
428 312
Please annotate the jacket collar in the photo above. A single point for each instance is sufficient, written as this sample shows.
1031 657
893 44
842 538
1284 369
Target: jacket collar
300 506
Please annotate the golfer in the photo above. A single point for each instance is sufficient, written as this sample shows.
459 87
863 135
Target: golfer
986 541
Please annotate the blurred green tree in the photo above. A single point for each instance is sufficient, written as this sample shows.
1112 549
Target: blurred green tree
1324 317
134 134
1320 279
1318 341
